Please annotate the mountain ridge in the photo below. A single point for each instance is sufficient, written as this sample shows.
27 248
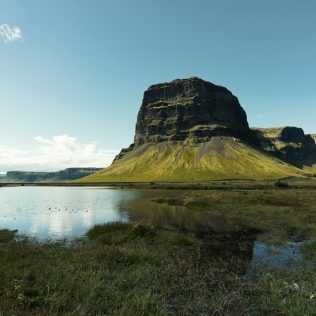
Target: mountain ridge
290 144
67 174
193 130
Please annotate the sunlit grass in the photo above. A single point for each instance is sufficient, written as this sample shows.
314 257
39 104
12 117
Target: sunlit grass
216 160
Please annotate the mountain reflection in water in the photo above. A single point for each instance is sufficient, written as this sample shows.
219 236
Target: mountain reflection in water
220 237
178 217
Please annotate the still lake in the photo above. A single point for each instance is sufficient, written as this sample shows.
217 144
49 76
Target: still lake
61 212
68 212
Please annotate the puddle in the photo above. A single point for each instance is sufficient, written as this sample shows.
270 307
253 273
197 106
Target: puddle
273 256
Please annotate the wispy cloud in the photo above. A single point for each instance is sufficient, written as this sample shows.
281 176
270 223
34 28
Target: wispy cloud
262 115
10 34
54 154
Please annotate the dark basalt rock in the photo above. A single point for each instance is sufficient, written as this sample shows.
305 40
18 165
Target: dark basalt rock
289 144
189 108
293 135
193 111
123 152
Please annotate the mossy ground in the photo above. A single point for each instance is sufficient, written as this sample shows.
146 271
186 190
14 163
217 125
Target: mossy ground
147 269
220 158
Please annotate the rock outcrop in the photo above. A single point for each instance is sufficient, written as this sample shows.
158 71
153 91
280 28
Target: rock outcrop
190 110
289 144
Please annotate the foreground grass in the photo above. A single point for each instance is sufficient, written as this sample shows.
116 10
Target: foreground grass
190 260
125 269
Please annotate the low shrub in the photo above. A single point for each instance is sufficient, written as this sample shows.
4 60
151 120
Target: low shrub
142 230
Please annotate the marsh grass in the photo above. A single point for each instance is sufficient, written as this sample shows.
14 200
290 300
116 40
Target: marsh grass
142 269
309 249
7 235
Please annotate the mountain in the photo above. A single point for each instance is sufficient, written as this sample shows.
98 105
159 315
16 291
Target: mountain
59 176
289 144
217 159
193 130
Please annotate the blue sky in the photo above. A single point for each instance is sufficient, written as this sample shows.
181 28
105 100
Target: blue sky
72 82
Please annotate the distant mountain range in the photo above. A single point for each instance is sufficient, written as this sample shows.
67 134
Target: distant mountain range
58 176
193 130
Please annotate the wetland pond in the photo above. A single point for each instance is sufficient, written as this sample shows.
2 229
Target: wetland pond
60 212
53 213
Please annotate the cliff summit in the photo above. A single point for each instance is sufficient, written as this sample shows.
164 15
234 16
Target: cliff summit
189 109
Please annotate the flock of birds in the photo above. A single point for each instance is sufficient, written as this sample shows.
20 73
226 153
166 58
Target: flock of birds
57 209
73 211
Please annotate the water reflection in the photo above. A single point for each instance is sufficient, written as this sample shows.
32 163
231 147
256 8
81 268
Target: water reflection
64 212
265 255
60 212
277 256
179 217
220 237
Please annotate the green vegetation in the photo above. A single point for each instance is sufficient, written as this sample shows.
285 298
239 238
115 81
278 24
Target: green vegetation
215 160
186 257
281 214
310 169
6 235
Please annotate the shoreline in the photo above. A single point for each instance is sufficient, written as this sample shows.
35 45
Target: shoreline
308 183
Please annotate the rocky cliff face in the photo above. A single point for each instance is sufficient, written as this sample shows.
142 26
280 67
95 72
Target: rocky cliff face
289 144
190 112
59 176
188 108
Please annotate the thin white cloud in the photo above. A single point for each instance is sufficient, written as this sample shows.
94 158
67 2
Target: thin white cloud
10 34
56 153
262 115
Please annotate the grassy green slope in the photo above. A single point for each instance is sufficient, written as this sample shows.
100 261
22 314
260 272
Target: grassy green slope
215 160
310 169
